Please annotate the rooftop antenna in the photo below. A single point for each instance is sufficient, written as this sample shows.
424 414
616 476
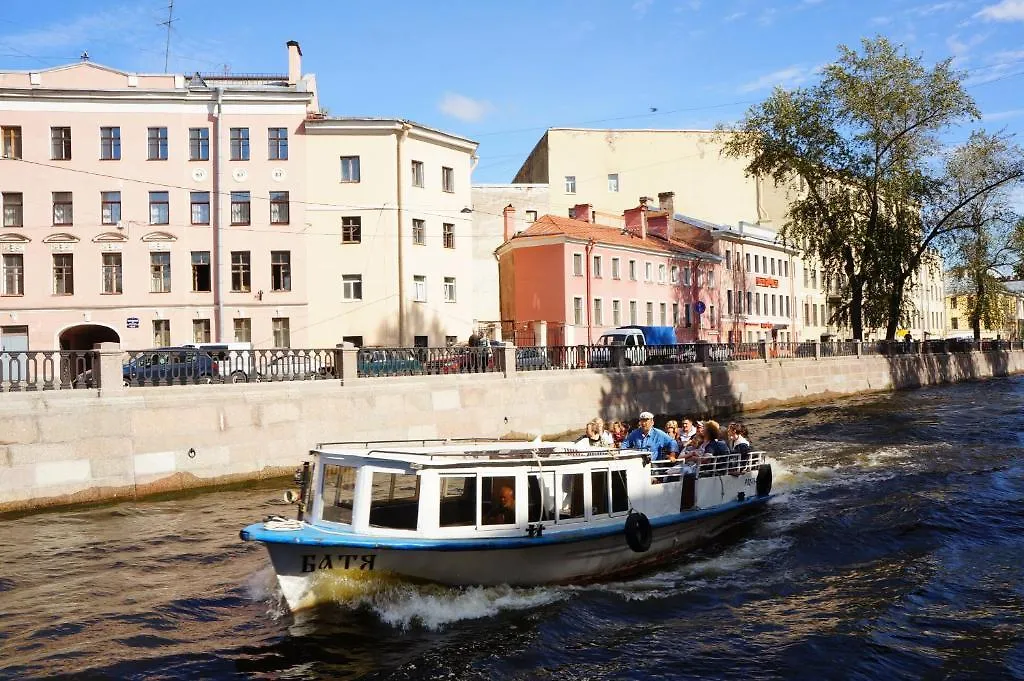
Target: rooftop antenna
170 20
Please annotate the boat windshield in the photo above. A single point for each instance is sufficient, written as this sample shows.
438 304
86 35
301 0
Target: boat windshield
339 486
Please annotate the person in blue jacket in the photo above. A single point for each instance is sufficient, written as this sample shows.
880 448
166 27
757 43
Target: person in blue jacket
656 441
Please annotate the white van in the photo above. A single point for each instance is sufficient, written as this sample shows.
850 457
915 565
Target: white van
235 362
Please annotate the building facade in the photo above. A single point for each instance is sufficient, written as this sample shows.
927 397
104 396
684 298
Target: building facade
153 209
391 249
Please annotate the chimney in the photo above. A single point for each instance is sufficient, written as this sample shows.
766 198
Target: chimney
582 211
643 216
666 202
510 217
294 62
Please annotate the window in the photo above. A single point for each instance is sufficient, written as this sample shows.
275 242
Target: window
613 182
674 274
739 302
156 144
764 264
750 302
63 213
457 501
417 174
748 262
63 274
648 272
686 315
570 184
239 144
952 300
240 272
199 144
449 289
338 493
577 311
11 141
954 322
616 268
351 287
773 266
280 272
243 329
200 208
710 278
531 216
616 313
419 232
675 314
112 273
160 272
728 301
814 314
161 333
650 314
661 274
14 274
570 497
14 213
598 319
728 260
159 208
711 315
110 144
201 274
419 288
814 279
352 229
785 268
277 144
687 273
395 500
350 169
450 340
110 208
240 206
774 308
60 144
595 268
282 332
200 330
632 270
279 209
448 234
663 313
447 180
577 264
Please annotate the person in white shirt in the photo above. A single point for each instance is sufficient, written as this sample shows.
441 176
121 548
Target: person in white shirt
596 435
687 433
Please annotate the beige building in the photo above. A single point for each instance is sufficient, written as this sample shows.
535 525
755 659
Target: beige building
391 254
152 209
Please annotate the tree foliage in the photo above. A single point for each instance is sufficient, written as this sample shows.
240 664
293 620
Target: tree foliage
862 145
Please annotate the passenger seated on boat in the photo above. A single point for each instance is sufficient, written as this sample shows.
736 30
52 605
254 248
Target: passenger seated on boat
715 448
619 431
656 441
687 433
503 507
740 445
596 435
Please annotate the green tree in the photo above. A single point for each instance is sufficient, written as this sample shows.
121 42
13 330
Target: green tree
862 144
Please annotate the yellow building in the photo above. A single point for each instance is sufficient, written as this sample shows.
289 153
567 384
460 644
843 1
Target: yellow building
1007 326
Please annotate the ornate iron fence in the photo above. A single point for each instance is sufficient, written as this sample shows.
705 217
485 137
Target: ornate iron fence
29 370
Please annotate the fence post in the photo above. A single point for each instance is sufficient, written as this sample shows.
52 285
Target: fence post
858 348
540 334
817 349
508 359
762 349
109 368
346 360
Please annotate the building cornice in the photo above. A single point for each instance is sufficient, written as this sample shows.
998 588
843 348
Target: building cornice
180 96
520 241
387 126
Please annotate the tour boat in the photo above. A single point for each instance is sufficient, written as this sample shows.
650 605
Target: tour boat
497 512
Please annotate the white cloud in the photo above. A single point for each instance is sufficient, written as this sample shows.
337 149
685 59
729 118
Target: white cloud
881 21
997 66
1007 10
935 8
464 108
789 77
961 48
1002 115
734 16
640 7
81 32
767 17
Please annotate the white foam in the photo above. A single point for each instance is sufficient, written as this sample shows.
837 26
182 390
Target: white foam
434 607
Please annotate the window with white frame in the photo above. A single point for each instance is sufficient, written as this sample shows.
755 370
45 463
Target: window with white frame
160 272
13 274
675 314
448 235
419 232
577 264
648 271
161 332
709 278
616 268
632 270
417 174
650 313
241 272
632 312
570 184
728 259
351 287
243 329
449 289
663 313
281 327
613 182
447 180
110 144
350 169
661 274
617 313
598 312
419 288
596 267
577 310
674 274
686 276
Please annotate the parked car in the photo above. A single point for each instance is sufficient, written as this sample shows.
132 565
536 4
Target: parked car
234 360
171 365
387 362
295 368
531 358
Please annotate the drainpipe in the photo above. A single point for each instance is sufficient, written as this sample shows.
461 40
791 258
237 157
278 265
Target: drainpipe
218 237
589 250
400 136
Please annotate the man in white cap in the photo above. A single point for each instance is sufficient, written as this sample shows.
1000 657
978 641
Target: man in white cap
654 440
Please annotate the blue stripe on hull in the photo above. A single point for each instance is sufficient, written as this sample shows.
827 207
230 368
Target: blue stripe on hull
554 534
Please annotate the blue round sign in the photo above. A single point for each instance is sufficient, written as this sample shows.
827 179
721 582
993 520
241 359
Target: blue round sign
699 306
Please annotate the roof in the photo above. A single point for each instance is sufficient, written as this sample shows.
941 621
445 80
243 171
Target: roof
447 453
554 225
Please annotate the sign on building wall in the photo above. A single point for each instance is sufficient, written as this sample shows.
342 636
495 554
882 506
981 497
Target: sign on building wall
132 323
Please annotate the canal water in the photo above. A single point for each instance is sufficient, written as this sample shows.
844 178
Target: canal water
895 551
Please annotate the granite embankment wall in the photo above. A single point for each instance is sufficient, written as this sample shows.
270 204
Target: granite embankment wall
81 446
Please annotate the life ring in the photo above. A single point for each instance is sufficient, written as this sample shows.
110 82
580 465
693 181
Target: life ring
764 479
638 532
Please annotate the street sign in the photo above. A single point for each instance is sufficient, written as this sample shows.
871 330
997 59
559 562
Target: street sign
132 322
700 307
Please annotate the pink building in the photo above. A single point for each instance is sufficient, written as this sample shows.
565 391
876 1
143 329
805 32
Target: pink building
584 278
152 209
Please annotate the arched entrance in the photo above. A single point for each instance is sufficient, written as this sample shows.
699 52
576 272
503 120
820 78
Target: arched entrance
85 336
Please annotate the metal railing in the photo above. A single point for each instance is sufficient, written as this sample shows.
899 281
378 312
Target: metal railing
708 467
23 371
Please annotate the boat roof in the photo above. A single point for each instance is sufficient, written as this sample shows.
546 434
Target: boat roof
443 453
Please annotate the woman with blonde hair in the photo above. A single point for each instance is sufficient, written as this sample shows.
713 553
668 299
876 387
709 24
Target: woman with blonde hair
596 435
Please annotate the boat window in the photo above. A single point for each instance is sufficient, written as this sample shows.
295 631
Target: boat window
458 501
572 496
338 491
620 497
395 500
541 497
599 492
498 500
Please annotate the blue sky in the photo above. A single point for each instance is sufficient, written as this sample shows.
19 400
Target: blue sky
503 72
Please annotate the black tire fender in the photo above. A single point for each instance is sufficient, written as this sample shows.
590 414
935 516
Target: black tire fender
638 532
764 479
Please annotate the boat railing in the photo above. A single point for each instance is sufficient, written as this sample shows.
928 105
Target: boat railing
734 463
461 447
